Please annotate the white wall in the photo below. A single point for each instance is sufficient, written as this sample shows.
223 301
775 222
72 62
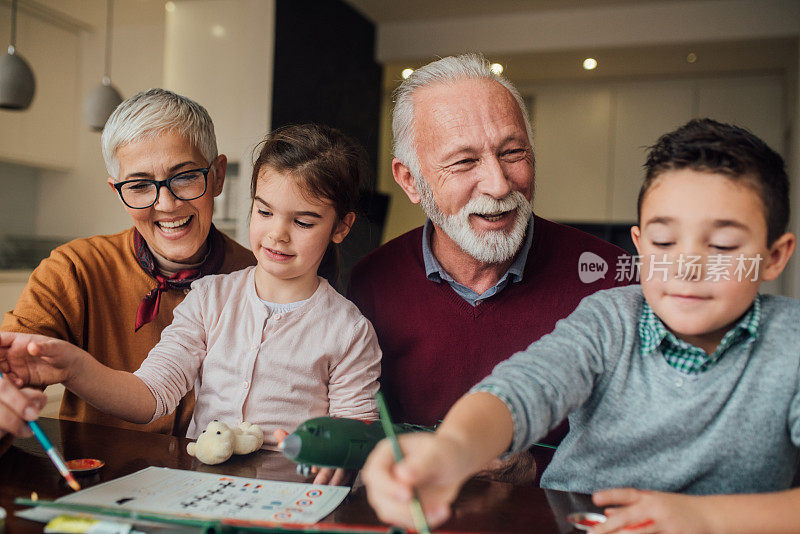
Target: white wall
220 53
64 41
227 71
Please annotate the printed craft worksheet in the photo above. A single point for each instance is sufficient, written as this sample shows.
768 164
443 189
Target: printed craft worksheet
211 496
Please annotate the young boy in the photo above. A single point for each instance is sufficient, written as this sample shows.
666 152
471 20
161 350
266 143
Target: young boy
687 384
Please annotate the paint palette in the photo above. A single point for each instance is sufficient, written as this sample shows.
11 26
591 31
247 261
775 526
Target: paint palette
85 466
585 520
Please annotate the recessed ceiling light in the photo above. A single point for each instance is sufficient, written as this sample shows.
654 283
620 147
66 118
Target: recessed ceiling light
497 69
691 57
170 7
590 63
406 73
218 31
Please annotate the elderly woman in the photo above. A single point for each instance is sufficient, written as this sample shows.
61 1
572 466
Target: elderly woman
112 295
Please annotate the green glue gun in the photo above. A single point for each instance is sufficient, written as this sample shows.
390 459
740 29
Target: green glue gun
337 442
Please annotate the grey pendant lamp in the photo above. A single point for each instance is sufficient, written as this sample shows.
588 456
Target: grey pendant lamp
17 84
104 98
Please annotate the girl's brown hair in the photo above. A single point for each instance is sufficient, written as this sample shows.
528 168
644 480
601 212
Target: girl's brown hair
325 162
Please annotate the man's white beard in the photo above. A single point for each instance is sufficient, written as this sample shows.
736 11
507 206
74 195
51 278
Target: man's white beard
493 246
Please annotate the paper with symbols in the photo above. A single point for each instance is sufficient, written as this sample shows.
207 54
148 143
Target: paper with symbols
211 496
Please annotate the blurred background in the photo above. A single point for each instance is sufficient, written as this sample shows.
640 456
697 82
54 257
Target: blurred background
602 79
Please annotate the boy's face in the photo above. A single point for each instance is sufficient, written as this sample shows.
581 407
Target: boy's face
703 243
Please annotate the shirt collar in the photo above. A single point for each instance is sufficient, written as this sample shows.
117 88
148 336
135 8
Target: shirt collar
435 272
653 332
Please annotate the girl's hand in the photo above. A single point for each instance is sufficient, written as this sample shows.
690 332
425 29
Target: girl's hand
29 359
324 475
432 466
638 511
332 477
17 406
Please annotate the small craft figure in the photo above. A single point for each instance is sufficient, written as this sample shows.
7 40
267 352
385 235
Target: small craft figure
218 442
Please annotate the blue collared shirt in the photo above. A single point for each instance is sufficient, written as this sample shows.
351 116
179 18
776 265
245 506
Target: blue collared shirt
435 272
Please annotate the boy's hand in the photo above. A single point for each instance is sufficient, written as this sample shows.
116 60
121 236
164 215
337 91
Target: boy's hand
17 406
638 511
34 360
432 466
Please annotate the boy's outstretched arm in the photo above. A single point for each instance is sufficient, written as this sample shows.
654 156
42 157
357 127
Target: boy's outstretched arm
659 512
40 360
477 429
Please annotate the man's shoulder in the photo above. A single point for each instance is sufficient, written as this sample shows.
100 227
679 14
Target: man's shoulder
403 247
569 238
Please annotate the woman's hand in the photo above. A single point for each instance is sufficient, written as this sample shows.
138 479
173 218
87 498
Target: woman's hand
638 511
34 360
17 407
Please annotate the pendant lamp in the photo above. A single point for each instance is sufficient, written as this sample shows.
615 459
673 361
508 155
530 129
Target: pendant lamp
17 84
104 98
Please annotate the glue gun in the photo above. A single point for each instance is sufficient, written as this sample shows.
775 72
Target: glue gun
337 442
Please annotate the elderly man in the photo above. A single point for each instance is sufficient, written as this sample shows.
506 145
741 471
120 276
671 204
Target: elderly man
113 295
484 277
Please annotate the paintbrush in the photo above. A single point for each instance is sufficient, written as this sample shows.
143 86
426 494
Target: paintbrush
55 457
416 508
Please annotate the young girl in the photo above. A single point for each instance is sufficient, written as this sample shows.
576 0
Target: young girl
273 344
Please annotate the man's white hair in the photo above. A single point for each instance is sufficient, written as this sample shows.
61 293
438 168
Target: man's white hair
152 113
446 70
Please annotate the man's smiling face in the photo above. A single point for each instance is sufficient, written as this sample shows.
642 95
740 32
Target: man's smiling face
477 165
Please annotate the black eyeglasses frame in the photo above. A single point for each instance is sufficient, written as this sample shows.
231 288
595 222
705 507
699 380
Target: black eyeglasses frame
163 183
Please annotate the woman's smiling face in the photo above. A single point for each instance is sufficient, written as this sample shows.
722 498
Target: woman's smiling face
175 229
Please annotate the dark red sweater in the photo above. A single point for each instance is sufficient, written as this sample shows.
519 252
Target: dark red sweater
436 346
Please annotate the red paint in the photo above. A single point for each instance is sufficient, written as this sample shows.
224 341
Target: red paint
84 464
640 525
588 522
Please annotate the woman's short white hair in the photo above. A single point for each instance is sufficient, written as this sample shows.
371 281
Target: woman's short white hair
449 69
152 113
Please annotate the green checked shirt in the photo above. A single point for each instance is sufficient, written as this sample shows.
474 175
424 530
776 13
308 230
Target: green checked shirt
684 356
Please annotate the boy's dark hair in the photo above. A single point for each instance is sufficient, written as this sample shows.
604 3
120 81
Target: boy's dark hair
710 146
326 164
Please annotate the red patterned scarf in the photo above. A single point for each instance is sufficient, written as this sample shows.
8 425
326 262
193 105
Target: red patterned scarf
148 309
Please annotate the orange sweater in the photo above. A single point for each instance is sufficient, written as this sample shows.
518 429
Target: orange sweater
87 292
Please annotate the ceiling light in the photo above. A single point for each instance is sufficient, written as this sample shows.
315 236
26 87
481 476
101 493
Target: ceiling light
104 98
589 63
170 7
406 73
496 68
218 31
17 84
691 57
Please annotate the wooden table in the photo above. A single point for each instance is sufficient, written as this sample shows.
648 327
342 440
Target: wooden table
24 468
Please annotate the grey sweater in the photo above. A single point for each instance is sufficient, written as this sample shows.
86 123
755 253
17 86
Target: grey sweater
635 421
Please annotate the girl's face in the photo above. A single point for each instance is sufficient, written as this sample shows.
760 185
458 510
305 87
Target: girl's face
289 232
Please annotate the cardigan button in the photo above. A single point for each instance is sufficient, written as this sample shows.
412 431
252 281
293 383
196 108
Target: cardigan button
278 316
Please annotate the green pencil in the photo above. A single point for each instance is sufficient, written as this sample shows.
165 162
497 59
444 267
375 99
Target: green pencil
416 508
